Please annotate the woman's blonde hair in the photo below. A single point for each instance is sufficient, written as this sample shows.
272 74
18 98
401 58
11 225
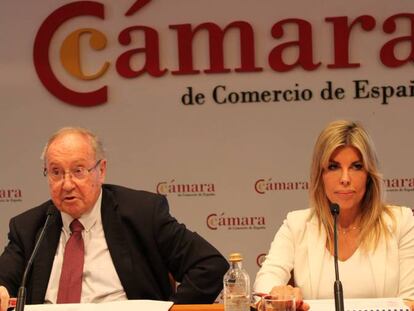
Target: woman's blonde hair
343 133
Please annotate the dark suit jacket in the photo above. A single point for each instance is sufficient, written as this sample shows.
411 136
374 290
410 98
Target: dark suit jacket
145 243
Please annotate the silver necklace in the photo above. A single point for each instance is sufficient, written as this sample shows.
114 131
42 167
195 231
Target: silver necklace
347 230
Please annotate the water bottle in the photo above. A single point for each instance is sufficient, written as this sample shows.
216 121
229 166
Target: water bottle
236 286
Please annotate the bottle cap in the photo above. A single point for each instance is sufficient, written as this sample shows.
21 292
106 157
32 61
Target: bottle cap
235 257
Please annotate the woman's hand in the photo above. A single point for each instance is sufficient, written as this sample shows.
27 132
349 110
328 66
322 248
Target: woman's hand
287 291
410 303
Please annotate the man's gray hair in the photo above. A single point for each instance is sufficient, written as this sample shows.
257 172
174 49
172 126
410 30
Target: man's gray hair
95 142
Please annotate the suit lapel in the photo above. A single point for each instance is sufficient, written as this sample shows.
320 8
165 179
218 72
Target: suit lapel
42 264
378 262
128 255
116 241
316 243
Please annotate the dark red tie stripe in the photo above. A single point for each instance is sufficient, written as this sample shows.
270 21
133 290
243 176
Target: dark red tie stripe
70 284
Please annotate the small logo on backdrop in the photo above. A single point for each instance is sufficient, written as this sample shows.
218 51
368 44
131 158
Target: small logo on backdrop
399 184
183 189
263 186
260 259
222 221
10 195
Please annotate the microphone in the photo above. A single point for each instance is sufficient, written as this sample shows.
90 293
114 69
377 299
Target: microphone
338 292
21 295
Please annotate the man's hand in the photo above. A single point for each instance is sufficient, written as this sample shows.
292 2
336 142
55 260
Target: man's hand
4 298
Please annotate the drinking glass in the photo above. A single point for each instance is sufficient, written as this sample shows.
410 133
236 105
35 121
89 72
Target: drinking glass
275 303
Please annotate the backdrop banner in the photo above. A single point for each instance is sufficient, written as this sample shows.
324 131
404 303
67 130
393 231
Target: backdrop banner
215 104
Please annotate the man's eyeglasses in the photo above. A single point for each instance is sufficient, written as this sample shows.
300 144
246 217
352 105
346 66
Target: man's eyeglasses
79 172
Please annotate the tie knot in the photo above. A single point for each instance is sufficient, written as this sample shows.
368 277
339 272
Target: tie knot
76 226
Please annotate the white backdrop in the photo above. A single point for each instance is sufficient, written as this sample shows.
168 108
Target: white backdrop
222 166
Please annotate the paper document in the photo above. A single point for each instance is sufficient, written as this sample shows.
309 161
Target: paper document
125 305
366 304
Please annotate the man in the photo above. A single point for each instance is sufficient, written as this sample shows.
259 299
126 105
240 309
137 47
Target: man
130 243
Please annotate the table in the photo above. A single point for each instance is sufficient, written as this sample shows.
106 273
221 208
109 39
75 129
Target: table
207 307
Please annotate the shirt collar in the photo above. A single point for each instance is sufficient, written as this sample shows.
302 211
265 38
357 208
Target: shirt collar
88 220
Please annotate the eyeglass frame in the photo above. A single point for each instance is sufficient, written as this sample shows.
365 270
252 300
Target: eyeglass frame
88 170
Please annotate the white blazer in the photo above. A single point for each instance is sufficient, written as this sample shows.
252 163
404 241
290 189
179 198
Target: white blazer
299 245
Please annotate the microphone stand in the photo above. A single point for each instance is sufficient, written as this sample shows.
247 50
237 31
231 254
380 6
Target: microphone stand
338 291
21 294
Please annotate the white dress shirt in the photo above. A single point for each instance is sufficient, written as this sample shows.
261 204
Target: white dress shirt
100 281
355 273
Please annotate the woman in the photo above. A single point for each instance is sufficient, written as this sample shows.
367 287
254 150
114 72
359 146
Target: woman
375 240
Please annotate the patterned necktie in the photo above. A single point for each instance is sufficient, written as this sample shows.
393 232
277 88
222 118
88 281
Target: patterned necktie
70 284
